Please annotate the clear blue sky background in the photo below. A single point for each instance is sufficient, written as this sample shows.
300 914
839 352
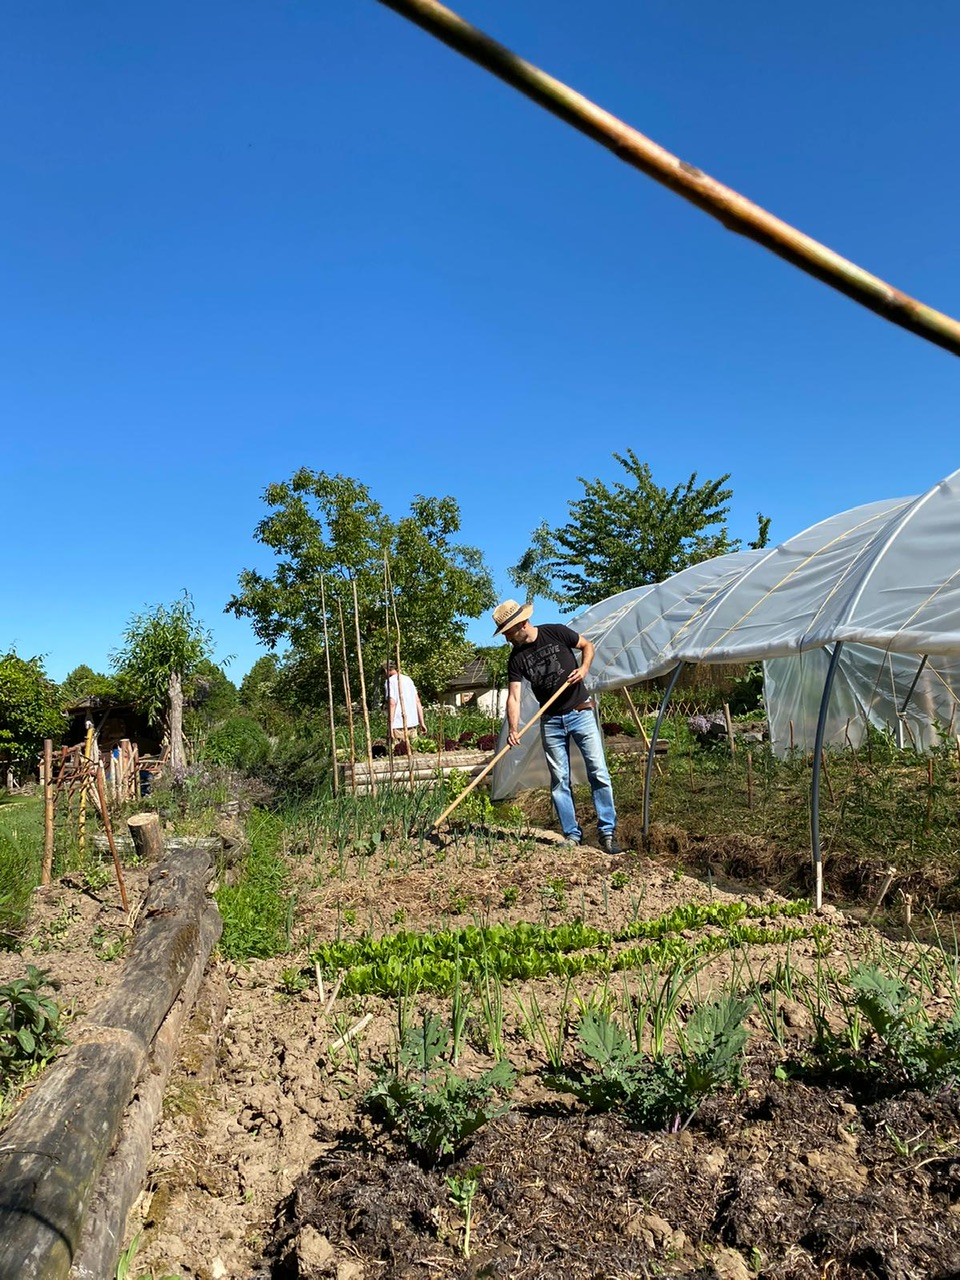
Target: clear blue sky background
240 238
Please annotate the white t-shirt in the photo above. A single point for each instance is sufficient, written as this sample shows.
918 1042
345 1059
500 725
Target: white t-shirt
408 691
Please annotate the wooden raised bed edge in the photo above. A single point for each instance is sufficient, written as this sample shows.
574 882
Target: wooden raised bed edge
74 1156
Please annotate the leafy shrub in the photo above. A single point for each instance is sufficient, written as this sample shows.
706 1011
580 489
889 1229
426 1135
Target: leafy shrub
31 1026
611 728
487 742
422 1099
450 744
467 737
239 743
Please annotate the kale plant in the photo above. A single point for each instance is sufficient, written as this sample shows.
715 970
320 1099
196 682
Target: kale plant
422 1099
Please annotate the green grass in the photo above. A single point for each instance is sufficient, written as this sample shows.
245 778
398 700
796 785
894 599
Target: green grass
256 908
21 855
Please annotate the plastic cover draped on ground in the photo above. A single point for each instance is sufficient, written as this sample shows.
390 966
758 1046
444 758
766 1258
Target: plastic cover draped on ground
884 578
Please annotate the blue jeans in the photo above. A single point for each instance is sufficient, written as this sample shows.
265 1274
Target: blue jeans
556 734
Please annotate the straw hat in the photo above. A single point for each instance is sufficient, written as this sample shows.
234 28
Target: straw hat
510 614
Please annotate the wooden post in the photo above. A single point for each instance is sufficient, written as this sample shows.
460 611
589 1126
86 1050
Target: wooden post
728 720
326 654
791 737
105 812
83 764
48 794
125 769
363 685
147 836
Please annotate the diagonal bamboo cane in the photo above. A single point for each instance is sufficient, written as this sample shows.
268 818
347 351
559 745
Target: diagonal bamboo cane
499 756
735 211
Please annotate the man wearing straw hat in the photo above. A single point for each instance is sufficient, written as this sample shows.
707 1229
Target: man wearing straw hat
546 657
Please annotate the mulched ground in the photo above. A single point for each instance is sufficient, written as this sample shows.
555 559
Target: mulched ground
792 1181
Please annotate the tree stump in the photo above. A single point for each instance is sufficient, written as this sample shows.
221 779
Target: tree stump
147 837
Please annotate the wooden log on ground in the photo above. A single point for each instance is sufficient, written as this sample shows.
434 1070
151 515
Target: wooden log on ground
122 1177
56 1146
147 837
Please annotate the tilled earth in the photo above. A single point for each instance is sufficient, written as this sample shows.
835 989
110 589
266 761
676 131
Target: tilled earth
265 1168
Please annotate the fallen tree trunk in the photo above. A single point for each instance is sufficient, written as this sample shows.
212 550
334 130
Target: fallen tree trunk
55 1149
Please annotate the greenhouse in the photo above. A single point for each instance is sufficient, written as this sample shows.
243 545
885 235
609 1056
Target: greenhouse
856 621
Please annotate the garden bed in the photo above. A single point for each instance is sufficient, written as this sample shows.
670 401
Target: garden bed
265 1164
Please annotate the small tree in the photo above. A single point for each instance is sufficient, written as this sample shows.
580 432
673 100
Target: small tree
162 649
84 682
29 710
330 537
629 534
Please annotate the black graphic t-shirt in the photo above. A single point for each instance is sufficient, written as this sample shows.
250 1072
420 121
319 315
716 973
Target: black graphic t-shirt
546 664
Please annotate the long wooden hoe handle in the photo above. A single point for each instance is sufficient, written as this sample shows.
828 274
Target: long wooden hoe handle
500 754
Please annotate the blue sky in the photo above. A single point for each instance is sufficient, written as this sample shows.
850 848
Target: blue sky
241 238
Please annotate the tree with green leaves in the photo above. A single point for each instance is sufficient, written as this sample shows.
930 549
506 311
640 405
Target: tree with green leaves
29 710
161 652
329 535
84 682
629 534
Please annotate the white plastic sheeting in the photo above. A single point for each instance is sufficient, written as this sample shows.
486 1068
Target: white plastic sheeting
884 578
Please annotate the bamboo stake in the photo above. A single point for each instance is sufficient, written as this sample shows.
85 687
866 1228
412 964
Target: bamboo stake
749 779
363 685
826 776
499 756
82 815
643 733
728 721
791 737
105 814
403 709
929 792
885 885
349 698
907 908
730 208
326 655
386 649
46 873
347 1036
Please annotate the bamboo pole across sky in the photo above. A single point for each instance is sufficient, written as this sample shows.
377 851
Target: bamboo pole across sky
733 210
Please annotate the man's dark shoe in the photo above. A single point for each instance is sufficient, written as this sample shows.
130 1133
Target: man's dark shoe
609 844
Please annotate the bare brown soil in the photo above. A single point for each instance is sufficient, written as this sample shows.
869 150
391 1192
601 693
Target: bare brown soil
264 1168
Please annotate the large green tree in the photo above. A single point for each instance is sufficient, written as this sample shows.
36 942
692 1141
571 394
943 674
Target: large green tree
161 652
629 534
29 710
328 534
84 682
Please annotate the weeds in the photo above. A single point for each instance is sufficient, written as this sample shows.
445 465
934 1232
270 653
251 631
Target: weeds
31 1027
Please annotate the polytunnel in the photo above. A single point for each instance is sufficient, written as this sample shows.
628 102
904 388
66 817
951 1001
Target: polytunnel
856 619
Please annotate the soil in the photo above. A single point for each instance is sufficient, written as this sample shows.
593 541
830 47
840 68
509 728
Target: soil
265 1168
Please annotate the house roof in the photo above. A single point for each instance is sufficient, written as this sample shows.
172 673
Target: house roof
473 676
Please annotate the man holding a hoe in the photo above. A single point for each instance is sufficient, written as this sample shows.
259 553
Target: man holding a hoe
546 657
